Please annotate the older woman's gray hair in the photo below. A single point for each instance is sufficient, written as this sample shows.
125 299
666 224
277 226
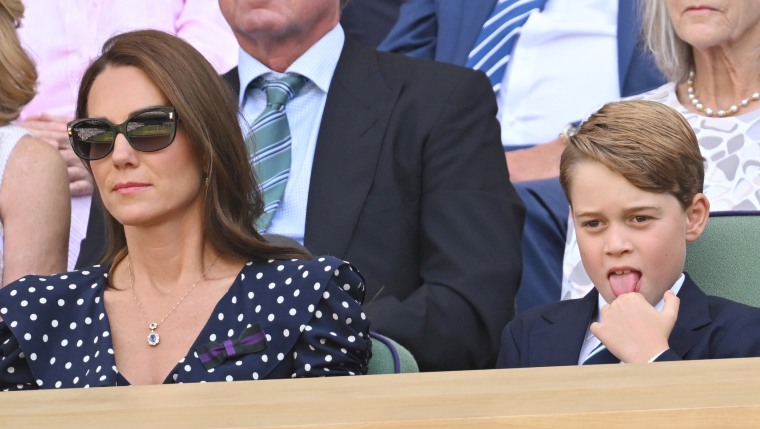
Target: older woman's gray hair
672 55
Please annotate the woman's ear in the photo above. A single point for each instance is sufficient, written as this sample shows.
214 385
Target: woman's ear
696 216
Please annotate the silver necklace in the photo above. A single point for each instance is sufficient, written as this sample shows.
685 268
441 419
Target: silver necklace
153 337
708 110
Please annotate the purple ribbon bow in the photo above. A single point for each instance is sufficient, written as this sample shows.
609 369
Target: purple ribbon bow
251 340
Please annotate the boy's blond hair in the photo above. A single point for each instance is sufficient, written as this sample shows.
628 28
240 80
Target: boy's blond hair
648 143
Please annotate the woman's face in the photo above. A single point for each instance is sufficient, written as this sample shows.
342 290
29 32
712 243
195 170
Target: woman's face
705 24
142 188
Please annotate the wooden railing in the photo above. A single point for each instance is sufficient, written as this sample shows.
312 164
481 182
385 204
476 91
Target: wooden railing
714 394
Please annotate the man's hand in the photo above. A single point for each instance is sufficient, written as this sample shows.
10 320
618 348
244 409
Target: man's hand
633 330
537 162
52 129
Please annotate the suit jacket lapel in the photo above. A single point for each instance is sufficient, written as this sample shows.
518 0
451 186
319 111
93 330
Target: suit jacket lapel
559 341
357 111
693 314
462 22
628 36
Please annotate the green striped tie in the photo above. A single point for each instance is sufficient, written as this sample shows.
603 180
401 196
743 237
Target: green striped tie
269 142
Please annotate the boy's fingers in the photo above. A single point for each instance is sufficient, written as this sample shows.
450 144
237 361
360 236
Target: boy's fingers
594 328
672 304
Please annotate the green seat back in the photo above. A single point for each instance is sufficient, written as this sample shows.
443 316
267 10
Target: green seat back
725 260
390 357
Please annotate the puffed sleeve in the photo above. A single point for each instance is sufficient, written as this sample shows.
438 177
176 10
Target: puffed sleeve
14 369
336 340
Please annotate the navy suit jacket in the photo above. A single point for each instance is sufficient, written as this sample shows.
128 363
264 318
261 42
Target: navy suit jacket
446 30
708 327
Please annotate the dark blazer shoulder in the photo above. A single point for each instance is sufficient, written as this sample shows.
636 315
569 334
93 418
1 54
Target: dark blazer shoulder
401 68
443 30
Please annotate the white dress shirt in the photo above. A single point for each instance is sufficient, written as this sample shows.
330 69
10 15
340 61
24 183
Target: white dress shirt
590 342
304 114
563 64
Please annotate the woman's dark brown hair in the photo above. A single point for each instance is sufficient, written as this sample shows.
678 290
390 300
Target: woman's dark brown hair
209 116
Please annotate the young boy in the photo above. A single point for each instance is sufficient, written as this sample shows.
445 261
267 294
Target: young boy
633 175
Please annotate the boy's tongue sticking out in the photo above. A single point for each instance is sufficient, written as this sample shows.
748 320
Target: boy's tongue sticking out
624 281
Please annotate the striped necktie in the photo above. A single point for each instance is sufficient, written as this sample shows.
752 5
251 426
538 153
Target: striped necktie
600 355
493 47
269 142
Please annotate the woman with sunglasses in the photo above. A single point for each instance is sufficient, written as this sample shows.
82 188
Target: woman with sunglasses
34 196
188 291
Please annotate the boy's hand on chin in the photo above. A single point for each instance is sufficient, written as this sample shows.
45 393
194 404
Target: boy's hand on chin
633 330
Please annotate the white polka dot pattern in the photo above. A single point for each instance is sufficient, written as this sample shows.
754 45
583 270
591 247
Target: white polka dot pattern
283 297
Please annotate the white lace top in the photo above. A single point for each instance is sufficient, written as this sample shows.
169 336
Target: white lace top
731 147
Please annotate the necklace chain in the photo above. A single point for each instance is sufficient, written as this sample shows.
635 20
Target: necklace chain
720 112
153 337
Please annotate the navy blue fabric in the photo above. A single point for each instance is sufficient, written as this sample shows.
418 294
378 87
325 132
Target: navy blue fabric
368 21
56 333
543 242
708 327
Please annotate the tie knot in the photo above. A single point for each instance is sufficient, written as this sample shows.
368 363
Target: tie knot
280 91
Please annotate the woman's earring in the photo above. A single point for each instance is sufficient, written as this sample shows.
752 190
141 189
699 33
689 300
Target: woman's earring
208 174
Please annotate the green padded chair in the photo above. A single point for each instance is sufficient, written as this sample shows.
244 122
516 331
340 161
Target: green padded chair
725 260
390 357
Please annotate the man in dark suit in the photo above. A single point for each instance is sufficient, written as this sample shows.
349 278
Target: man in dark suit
397 168
447 30
406 180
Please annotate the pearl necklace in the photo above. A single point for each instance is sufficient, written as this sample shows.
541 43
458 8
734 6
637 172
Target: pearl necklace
153 337
709 111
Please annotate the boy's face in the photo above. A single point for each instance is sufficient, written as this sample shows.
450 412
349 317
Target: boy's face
631 240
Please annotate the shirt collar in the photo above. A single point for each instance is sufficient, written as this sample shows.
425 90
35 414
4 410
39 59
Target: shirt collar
317 64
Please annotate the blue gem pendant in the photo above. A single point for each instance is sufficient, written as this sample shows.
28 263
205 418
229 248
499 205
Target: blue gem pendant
153 337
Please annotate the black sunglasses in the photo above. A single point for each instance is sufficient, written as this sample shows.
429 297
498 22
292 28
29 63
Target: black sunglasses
148 130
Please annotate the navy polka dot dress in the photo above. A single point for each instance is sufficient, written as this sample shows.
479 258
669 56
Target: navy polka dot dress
279 319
